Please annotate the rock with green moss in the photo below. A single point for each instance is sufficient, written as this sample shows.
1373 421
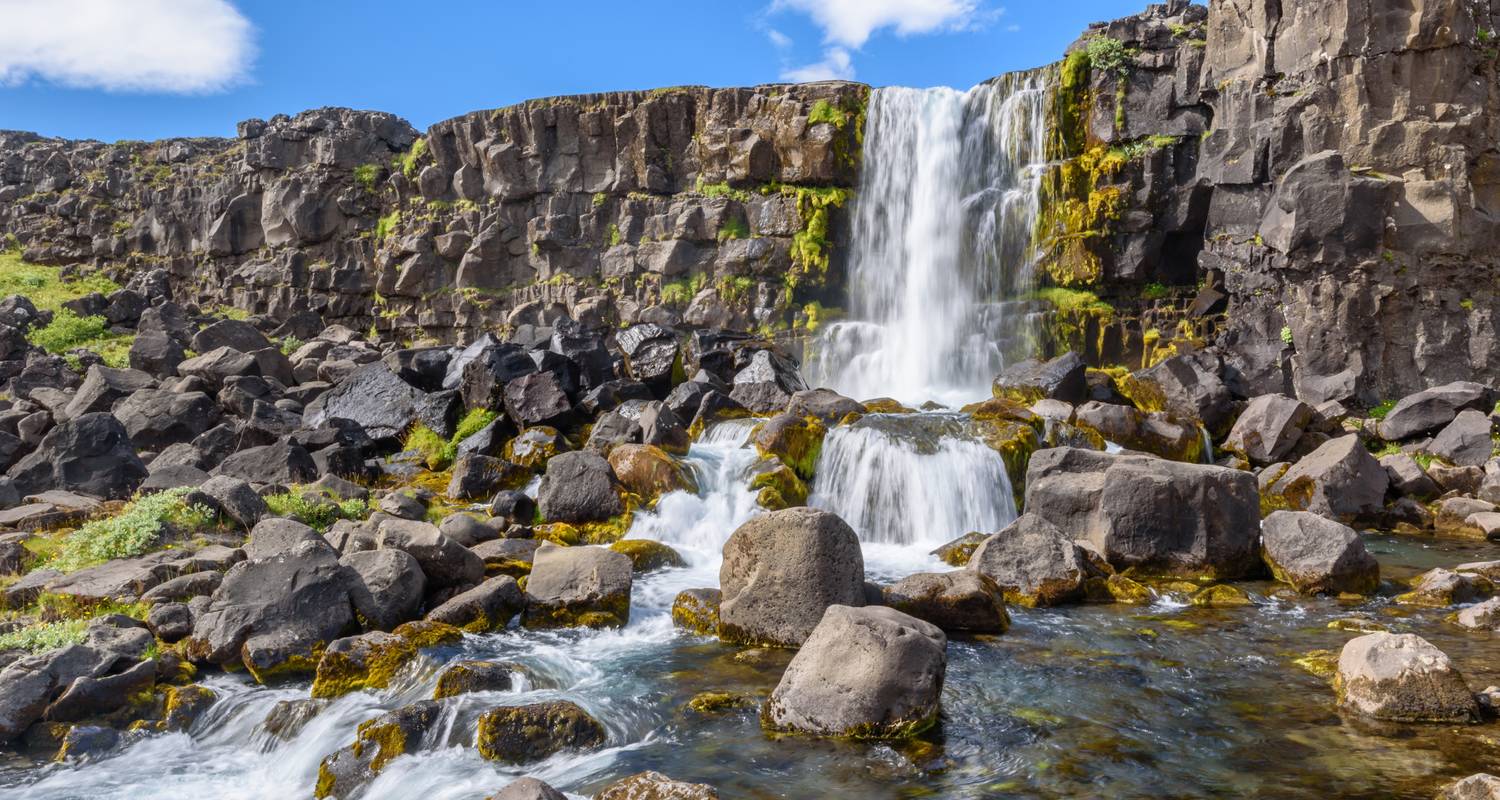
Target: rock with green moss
346 772
776 486
961 601
1149 432
958 552
356 663
708 703
1026 382
1402 678
487 607
1222 595
1438 588
578 586
647 555
864 673
524 734
534 447
697 610
1033 563
656 786
797 441
428 633
649 471
463 677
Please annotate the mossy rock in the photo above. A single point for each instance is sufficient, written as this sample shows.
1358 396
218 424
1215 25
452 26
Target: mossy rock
1358 625
1222 595
697 610
797 441
777 486
1004 408
534 447
424 633
290 667
1322 663
958 552
647 555
369 661
377 742
885 405
1118 589
1015 442
525 734
463 677
179 707
710 703
573 534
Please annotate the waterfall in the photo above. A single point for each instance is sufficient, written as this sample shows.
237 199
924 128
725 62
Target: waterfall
907 479
942 242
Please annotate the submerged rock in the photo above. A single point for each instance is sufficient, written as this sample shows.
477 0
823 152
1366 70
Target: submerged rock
656 786
782 570
346 772
864 673
1317 555
697 610
1402 678
462 677
523 734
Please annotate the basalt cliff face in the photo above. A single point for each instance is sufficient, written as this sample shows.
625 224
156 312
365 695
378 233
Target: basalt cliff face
1305 193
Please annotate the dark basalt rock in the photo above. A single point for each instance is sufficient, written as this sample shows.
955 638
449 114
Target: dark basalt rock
579 487
372 396
523 734
90 454
767 383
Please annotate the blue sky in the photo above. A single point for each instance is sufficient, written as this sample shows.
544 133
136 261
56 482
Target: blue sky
148 69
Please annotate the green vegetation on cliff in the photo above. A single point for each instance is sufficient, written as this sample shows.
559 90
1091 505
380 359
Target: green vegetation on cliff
47 289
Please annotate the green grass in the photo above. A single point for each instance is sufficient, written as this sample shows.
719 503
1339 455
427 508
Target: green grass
681 292
1110 55
132 532
407 164
1286 335
734 228
438 453
387 225
366 174
291 344
1155 291
318 513
614 234
45 636
722 189
824 111
45 286
1381 409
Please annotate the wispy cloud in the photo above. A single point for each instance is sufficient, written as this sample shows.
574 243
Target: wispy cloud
781 40
180 46
848 24
835 66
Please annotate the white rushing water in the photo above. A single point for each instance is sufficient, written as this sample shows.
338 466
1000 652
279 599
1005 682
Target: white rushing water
942 243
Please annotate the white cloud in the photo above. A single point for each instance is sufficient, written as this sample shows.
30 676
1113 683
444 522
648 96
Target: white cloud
125 45
781 40
850 23
835 66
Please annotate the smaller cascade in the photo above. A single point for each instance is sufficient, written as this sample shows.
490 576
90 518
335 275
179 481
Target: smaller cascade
699 524
912 479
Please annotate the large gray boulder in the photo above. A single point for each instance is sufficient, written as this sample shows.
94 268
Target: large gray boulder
1341 480
963 600
373 396
90 454
1317 555
578 586
1156 515
446 563
1063 378
767 383
867 673
579 487
157 418
782 570
1466 440
1269 428
1033 563
489 606
390 588
1402 678
275 611
1431 409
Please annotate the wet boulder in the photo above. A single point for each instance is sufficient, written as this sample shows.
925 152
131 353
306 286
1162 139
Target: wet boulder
1342 480
527 789
464 677
1430 409
579 487
390 587
276 610
578 586
1149 513
866 673
1402 678
476 476
90 454
781 571
766 384
1268 428
963 601
1062 378
1439 588
1317 555
373 397
649 471
797 441
697 610
446 563
1155 432
1480 616
661 427
1032 563
489 606
827 406
345 773
357 663
656 786
524 734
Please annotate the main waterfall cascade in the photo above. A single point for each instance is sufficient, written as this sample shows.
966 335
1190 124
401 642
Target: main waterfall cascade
942 243
941 257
